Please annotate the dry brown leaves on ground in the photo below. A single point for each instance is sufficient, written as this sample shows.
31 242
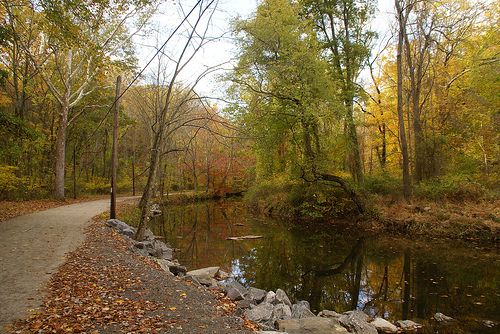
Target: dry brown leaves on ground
105 287
11 209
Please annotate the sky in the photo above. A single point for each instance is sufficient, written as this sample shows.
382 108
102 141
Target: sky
221 49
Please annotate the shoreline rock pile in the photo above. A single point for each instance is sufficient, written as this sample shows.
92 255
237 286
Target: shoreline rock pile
150 247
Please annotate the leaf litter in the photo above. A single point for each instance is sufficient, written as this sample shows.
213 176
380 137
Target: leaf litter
105 287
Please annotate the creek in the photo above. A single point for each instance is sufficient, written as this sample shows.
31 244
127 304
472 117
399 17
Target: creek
340 268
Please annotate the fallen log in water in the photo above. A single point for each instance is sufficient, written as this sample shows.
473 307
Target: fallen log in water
245 237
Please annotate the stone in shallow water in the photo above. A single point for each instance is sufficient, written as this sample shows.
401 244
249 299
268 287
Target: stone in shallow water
489 323
408 325
357 322
311 325
384 326
440 317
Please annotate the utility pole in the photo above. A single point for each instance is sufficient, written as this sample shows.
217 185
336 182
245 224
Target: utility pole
114 159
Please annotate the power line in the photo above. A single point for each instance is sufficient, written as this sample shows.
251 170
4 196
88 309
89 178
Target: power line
146 66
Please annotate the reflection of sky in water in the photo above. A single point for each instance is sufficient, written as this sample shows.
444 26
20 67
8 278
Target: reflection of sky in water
290 257
236 271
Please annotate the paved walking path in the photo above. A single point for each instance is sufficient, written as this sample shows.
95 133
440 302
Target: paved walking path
32 247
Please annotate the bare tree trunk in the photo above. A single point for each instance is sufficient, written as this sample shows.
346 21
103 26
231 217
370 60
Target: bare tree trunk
74 171
401 123
61 152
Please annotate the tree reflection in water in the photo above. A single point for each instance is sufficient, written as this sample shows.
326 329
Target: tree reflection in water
336 268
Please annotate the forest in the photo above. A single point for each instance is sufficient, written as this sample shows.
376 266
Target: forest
318 113
223 166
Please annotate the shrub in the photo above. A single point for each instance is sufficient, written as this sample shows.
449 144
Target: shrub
455 187
97 185
383 184
10 184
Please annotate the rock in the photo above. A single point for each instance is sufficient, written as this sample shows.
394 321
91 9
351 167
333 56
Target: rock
408 325
427 208
148 235
281 297
301 310
155 210
384 326
312 325
164 266
222 275
281 311
245 303
235 291
193 279
489 323
357 322
208 272
440 317
329 314
122 227
155 248
161 250
178 270
261 313
270 297
207 281
256 295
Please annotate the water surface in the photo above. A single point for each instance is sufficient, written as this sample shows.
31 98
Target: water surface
337 268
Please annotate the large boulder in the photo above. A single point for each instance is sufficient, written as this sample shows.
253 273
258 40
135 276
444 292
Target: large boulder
282 298
408 325
301 310
208 272
281 311
235 291
270 297
122 227
384 326
257 295
261 314
357 322
173 266
155 248
312 325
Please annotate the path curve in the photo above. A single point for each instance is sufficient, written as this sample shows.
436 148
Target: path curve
32 247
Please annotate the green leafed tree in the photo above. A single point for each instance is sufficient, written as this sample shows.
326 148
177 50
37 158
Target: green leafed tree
285 89
342 30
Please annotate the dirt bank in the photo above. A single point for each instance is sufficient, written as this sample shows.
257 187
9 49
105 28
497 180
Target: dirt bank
469 220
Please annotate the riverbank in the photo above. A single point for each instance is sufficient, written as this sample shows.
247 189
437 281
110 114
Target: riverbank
465 220
475 219
106 286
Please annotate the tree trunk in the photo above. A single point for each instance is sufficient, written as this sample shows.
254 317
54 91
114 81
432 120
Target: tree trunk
401 123
61 152
347 188
114 152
